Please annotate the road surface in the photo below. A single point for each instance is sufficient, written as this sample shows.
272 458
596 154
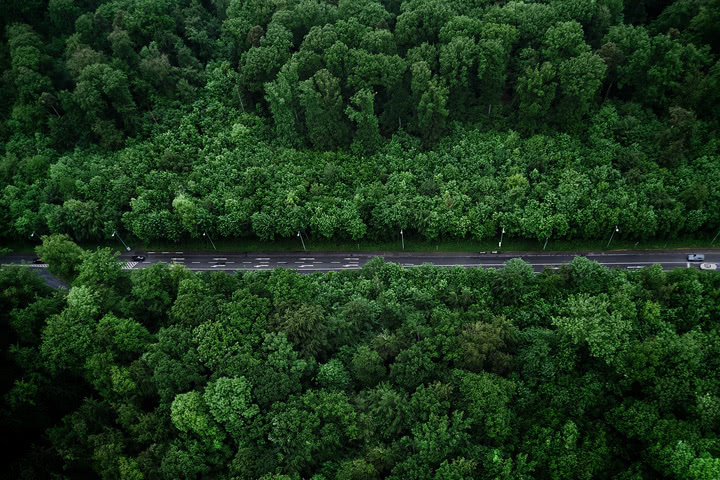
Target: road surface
327 261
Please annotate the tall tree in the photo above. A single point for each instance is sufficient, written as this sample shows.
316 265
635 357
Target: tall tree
321 99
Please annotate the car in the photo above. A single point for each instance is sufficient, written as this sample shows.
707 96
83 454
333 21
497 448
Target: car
138 258
708 266
696 257
37 260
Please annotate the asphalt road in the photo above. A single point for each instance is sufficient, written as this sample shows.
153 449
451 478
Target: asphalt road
50 280
327 261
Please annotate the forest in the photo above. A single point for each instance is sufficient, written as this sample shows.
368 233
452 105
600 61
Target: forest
427 373
168 120
352 119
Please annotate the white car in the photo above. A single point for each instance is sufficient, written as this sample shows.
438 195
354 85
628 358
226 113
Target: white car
708 266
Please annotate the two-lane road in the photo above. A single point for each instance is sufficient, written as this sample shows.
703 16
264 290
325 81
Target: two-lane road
327 261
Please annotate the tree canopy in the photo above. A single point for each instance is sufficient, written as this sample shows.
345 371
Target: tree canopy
383 372
346 120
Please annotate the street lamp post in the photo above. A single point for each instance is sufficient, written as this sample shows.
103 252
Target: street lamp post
303 241
121 240
402 237
501 238
211 242
612 235
546 240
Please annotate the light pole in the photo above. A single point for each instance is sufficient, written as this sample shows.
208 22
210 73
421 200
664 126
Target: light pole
402 237
546 240
211 242
611 236
303 241
121 240
501 237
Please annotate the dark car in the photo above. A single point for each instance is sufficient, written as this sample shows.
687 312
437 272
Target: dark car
37 260
138 258
696 257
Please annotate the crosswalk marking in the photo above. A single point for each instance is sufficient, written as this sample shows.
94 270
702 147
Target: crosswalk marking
129 265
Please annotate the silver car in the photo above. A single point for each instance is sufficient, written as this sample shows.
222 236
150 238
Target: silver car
696 257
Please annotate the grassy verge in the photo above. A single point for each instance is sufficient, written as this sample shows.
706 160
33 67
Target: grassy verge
412 244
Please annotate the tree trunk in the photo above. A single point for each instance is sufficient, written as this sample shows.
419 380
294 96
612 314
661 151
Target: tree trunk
242 105
607 92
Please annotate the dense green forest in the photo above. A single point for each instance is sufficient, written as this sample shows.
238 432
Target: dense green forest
165 120
428 373
350 119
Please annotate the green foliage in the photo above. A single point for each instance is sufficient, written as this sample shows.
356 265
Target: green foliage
67 339
322 103
487 399
447 178
588 321
333 375
379 373
170 120
62 255
367 138
229 402
367 366
535 93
